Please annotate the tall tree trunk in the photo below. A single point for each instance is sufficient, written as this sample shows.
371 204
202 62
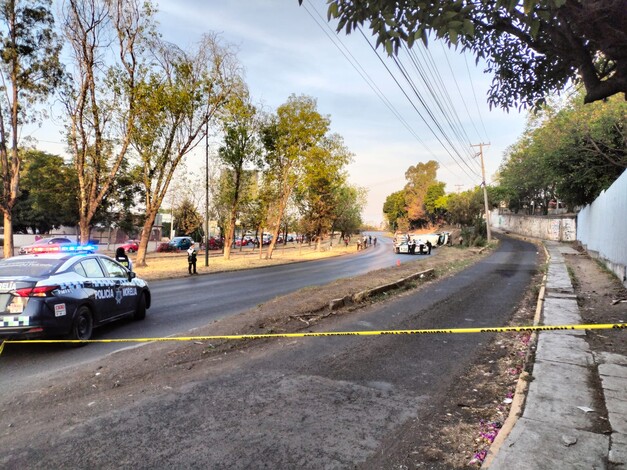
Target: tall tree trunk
230 231
8 233
142 250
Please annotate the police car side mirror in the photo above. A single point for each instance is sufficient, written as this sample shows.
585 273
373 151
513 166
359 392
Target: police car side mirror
131 275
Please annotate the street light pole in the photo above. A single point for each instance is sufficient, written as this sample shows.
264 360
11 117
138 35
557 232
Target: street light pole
485 192
207 193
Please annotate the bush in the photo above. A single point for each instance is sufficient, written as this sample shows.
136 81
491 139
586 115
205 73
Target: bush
479 241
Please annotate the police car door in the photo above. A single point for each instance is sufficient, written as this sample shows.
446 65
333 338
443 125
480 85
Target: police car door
126 293
100 288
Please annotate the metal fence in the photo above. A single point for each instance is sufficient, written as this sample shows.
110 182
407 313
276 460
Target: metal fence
602 227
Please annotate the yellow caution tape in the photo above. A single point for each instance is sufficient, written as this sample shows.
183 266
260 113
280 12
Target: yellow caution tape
503 329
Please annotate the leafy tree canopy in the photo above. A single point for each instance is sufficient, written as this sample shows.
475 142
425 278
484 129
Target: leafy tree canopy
531 47
572 153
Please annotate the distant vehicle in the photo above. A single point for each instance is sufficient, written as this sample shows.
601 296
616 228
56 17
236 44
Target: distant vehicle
181 243
130 246
215 243
246 240
165 247
403 248
66 295
45 245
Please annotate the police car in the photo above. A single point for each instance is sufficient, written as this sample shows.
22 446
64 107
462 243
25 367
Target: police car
66 294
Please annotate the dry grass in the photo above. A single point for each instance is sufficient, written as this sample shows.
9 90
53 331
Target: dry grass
172 265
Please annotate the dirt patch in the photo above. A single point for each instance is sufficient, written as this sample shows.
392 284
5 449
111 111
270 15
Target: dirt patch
602 299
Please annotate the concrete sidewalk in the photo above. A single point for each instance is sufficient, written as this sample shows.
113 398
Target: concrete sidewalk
573 393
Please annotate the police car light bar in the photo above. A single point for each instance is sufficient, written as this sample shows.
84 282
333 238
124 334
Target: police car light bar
65 249
77 248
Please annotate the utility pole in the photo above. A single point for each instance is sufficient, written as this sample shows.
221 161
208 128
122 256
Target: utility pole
207 192
485 192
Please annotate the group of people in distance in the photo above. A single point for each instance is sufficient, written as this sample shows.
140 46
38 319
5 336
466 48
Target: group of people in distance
411 244
365 242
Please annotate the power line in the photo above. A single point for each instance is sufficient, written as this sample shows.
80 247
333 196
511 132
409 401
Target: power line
363 73
475 96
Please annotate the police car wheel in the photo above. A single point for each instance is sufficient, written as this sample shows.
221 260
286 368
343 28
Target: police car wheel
83 325
140 313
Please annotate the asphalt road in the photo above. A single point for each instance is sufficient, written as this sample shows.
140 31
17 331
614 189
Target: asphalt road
181 305
335 402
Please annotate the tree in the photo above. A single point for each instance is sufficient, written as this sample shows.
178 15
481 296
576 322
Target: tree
395 210
241 148
290 139
187 220
49 193
101 111
174 106
321 185
349 204
467 207
433 201
569 151
30 68
532 47
419 178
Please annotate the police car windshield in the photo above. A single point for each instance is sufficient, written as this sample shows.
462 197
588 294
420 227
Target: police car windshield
19 267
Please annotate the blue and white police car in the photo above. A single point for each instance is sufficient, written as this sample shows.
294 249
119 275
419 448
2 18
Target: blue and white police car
66 294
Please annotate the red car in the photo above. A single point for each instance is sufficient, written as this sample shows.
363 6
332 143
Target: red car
130 246
45 245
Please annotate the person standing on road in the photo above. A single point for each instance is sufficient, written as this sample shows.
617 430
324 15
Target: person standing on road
429 246
122 258
191 259
374 240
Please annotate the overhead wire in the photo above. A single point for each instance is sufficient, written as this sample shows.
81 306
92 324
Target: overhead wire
444 109
361 71
476 101
432 80
451 148
364 74
461 95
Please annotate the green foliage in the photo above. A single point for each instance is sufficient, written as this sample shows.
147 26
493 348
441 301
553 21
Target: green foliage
434 203
292 139
532 48
49 194
419 178
395 210
187 220
31 71
570 153
323 184
466 207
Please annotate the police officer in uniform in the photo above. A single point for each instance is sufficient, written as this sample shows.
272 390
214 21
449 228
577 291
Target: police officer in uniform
191 259
122 258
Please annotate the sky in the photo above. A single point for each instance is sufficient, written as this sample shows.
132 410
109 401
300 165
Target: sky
286 49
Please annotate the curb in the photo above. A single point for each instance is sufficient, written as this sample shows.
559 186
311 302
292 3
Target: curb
520 394
336 304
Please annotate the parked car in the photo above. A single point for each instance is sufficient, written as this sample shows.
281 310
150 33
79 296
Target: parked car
165 247
66 294
215 243
181 243
130 246
246 240
45 245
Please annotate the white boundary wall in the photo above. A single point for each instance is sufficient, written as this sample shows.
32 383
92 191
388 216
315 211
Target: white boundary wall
602 227
547 227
